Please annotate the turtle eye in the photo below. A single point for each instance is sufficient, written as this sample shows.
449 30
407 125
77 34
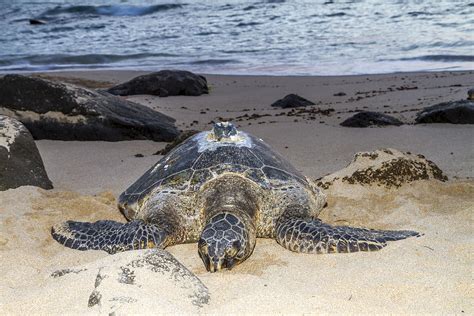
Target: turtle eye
202 246
233 249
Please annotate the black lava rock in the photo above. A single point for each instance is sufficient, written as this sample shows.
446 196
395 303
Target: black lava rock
367 118
470 94
20 160
54 110
164 83
292 101
455 112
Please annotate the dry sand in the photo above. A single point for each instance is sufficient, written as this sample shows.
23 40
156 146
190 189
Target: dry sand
431 274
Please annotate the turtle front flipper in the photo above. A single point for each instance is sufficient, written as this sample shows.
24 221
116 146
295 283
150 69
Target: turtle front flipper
109 236
314 236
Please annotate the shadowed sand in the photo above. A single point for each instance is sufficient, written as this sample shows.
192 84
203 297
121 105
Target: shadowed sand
429 274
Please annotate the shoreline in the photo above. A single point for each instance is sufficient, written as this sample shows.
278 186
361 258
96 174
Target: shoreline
115 71
326 69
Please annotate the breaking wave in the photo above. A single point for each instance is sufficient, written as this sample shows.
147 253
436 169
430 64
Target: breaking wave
110 10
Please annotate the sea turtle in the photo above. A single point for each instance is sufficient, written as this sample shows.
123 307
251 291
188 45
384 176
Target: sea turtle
222 188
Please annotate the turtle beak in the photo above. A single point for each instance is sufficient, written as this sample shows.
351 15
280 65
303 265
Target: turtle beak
212 264
215 266
221 264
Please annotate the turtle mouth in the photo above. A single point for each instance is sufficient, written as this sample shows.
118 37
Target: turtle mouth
217 264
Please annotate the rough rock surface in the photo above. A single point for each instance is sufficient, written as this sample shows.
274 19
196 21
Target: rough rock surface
291 101
53 110
384 167
455 112
164 83
20 161
470 94
178 140
129 281
367 118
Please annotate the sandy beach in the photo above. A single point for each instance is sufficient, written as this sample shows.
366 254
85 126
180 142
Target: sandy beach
431 274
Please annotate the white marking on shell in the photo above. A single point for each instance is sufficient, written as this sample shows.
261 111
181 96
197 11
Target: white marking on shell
207 141
156 167
8 132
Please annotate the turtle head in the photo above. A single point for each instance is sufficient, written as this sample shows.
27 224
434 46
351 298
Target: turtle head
225 242
127 206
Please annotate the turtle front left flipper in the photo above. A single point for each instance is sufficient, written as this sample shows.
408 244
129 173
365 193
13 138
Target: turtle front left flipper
109 235
309 235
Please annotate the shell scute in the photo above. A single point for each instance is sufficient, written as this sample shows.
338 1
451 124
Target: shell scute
257 176
178 181
228 155
271 158
200 158
221 168
178 160
276 174
199 178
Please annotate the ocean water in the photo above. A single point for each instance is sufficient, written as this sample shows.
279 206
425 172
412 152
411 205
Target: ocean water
294 37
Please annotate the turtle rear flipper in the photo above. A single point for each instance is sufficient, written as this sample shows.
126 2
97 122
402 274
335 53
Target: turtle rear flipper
314 236
109 236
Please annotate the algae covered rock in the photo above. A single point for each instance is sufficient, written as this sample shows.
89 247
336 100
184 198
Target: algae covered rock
388 168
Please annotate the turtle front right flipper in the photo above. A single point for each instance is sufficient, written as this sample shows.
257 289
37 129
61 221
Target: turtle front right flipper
308 235
109 236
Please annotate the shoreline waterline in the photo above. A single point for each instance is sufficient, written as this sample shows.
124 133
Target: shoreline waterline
269 37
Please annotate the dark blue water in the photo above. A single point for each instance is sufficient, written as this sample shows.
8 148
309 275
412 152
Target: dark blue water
239 37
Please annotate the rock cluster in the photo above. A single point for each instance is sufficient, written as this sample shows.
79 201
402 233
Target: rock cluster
54 110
